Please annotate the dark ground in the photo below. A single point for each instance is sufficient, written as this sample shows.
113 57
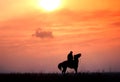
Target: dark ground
57 77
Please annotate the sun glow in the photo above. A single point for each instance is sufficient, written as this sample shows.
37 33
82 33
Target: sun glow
49 5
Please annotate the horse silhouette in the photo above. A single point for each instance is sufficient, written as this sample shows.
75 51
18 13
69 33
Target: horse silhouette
73 64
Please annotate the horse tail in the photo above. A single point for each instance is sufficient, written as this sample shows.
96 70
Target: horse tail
60 66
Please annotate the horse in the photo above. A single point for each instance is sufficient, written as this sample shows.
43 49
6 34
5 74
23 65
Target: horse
70 64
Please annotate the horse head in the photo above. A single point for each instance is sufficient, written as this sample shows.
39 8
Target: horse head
77 56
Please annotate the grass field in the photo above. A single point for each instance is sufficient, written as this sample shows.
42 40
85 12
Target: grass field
57 77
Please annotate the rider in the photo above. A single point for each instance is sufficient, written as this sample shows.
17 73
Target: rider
70 57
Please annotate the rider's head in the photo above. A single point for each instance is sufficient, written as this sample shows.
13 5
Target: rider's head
71 51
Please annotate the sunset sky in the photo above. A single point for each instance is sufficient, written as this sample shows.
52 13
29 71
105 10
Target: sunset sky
33 39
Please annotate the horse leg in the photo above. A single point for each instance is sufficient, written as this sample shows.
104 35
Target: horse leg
75 70
64 70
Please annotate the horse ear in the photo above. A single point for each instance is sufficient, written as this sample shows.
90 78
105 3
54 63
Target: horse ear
80 54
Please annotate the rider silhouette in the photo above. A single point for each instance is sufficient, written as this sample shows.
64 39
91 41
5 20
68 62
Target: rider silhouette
70 57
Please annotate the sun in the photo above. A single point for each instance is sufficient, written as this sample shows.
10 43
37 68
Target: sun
49 5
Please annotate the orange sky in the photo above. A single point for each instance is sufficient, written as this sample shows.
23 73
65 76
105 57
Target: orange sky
36 41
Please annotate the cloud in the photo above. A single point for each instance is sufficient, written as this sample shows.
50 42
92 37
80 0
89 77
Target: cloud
61 18
43 34
117 24
69 17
